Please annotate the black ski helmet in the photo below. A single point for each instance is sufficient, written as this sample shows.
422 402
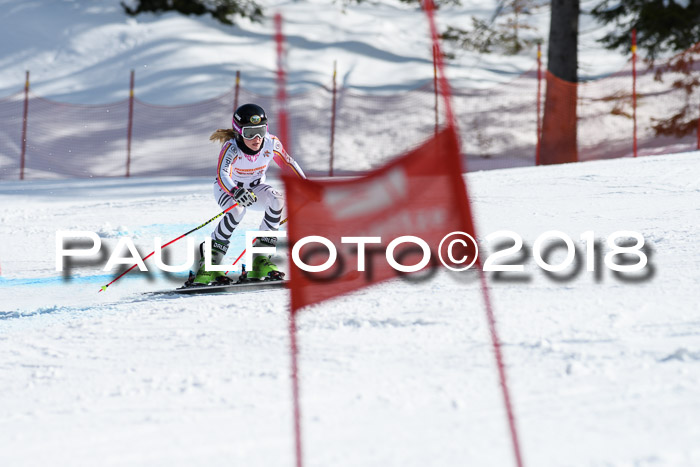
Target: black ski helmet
248 115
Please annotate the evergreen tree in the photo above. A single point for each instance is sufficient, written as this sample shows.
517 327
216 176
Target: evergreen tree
504 32
663 26
222 10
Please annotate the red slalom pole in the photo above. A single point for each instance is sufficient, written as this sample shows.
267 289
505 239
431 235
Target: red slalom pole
429 8
435 87
539 103
104 287
294 349
284 134
500 364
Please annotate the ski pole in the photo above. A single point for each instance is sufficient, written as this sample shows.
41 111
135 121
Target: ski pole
245 249
104 287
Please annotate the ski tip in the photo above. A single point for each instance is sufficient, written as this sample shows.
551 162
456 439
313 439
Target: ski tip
104 287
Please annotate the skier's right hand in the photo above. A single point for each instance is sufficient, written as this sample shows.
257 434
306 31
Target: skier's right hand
244 197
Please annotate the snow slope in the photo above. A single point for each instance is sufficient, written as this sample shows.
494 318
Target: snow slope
81 51
603 371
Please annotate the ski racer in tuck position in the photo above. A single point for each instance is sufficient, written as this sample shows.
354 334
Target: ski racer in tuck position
245 156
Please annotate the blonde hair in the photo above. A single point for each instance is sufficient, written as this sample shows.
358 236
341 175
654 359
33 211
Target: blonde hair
223 134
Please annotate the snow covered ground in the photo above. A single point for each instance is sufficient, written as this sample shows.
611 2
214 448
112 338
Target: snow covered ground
81 51
603 371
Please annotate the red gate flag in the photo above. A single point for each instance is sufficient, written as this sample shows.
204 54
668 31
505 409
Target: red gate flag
421 194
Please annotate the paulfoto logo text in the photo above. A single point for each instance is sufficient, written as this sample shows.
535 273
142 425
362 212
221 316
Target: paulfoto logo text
457 251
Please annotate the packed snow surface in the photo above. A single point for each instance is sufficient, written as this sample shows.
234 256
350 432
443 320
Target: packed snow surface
603 370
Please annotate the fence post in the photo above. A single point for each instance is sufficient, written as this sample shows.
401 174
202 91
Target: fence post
333 107
634 89
435 86
24 127
130 125
539 103
236 89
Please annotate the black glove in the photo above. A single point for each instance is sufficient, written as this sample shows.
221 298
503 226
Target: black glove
244 197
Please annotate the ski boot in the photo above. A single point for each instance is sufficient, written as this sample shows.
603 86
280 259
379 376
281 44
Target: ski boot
263 267
204 277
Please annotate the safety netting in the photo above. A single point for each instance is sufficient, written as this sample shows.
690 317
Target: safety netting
350 132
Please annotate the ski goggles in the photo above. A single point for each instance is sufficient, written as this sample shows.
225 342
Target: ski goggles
250 132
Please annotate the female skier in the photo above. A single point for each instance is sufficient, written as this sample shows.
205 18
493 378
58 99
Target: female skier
245 156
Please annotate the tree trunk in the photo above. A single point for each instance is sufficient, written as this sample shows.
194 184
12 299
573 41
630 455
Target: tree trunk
559 123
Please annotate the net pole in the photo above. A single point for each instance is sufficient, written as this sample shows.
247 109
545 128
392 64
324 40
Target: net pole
23 156
634 91
237 88
698 130
130 125
539 104
333 114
